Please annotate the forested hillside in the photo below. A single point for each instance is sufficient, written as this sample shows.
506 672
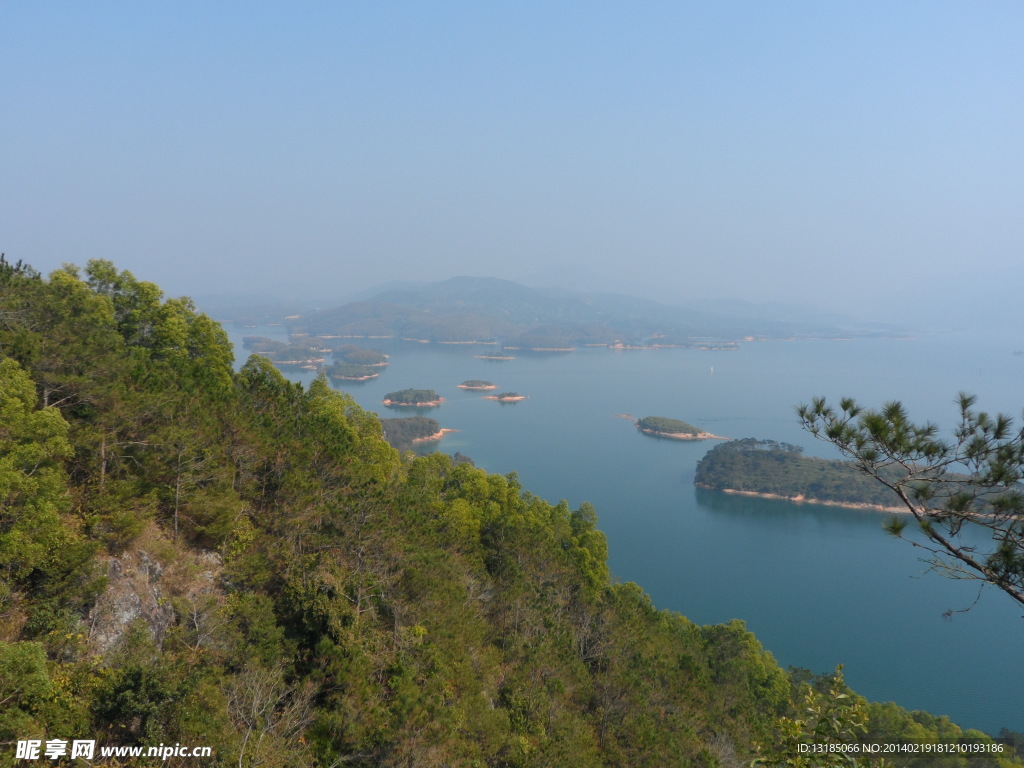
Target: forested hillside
198 556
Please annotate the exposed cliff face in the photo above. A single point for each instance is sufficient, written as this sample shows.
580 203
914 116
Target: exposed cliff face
143 587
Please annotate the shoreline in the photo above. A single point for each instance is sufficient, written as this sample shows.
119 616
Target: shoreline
683 435
482 389
436 436
426 404
354 378
801 499
515 399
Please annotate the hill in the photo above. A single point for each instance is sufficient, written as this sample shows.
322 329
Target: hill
200 556
489 309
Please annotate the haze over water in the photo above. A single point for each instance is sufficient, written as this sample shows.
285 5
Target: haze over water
819 586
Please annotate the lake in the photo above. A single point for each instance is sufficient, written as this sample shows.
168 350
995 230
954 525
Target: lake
819 586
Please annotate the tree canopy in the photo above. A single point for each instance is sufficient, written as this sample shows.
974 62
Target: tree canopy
952 487
197 555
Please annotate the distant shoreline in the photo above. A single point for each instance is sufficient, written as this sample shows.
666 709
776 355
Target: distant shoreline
801 499
424 404
354 378
436 436
683 435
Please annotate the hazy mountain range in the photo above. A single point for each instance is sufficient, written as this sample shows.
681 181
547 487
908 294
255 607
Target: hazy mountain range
487 309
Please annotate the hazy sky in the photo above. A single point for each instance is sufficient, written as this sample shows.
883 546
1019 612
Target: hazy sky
758 150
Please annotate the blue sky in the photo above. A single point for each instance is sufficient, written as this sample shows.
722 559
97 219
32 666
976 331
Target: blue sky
837 153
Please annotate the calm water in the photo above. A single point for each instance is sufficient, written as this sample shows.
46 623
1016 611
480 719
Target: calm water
819 586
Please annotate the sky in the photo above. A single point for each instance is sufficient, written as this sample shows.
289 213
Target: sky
861 156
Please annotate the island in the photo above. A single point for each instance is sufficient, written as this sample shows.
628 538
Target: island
674 429
774 470
417 398
477 384
403 433
350 353
351 372
506 397
299 353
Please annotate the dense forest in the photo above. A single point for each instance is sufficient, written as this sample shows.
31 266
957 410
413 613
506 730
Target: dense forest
197 555
781 469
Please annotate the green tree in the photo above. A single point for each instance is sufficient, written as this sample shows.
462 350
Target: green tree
43 561
953 489
826 722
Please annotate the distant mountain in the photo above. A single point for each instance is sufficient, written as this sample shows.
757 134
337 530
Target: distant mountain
490 309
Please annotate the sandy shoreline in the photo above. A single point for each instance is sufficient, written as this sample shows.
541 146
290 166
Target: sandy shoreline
801 499
515 399
684 435
426 404
436 436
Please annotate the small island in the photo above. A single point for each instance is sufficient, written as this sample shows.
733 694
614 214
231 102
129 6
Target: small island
506 397
351 372
417 398
350 353
402 434
477 384
674 429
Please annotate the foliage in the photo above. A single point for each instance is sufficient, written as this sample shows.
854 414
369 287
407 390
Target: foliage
280 584
952 488
827 721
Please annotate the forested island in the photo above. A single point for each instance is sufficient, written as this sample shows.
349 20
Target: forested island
197 555
351 363
506 397
413 397
780 470
350 353
403 433
299 353
477 384
351 372
674 429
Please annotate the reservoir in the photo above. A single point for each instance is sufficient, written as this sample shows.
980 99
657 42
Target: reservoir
819 586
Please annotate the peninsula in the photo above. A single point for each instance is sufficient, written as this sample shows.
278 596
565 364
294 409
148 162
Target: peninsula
674 429
418 398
